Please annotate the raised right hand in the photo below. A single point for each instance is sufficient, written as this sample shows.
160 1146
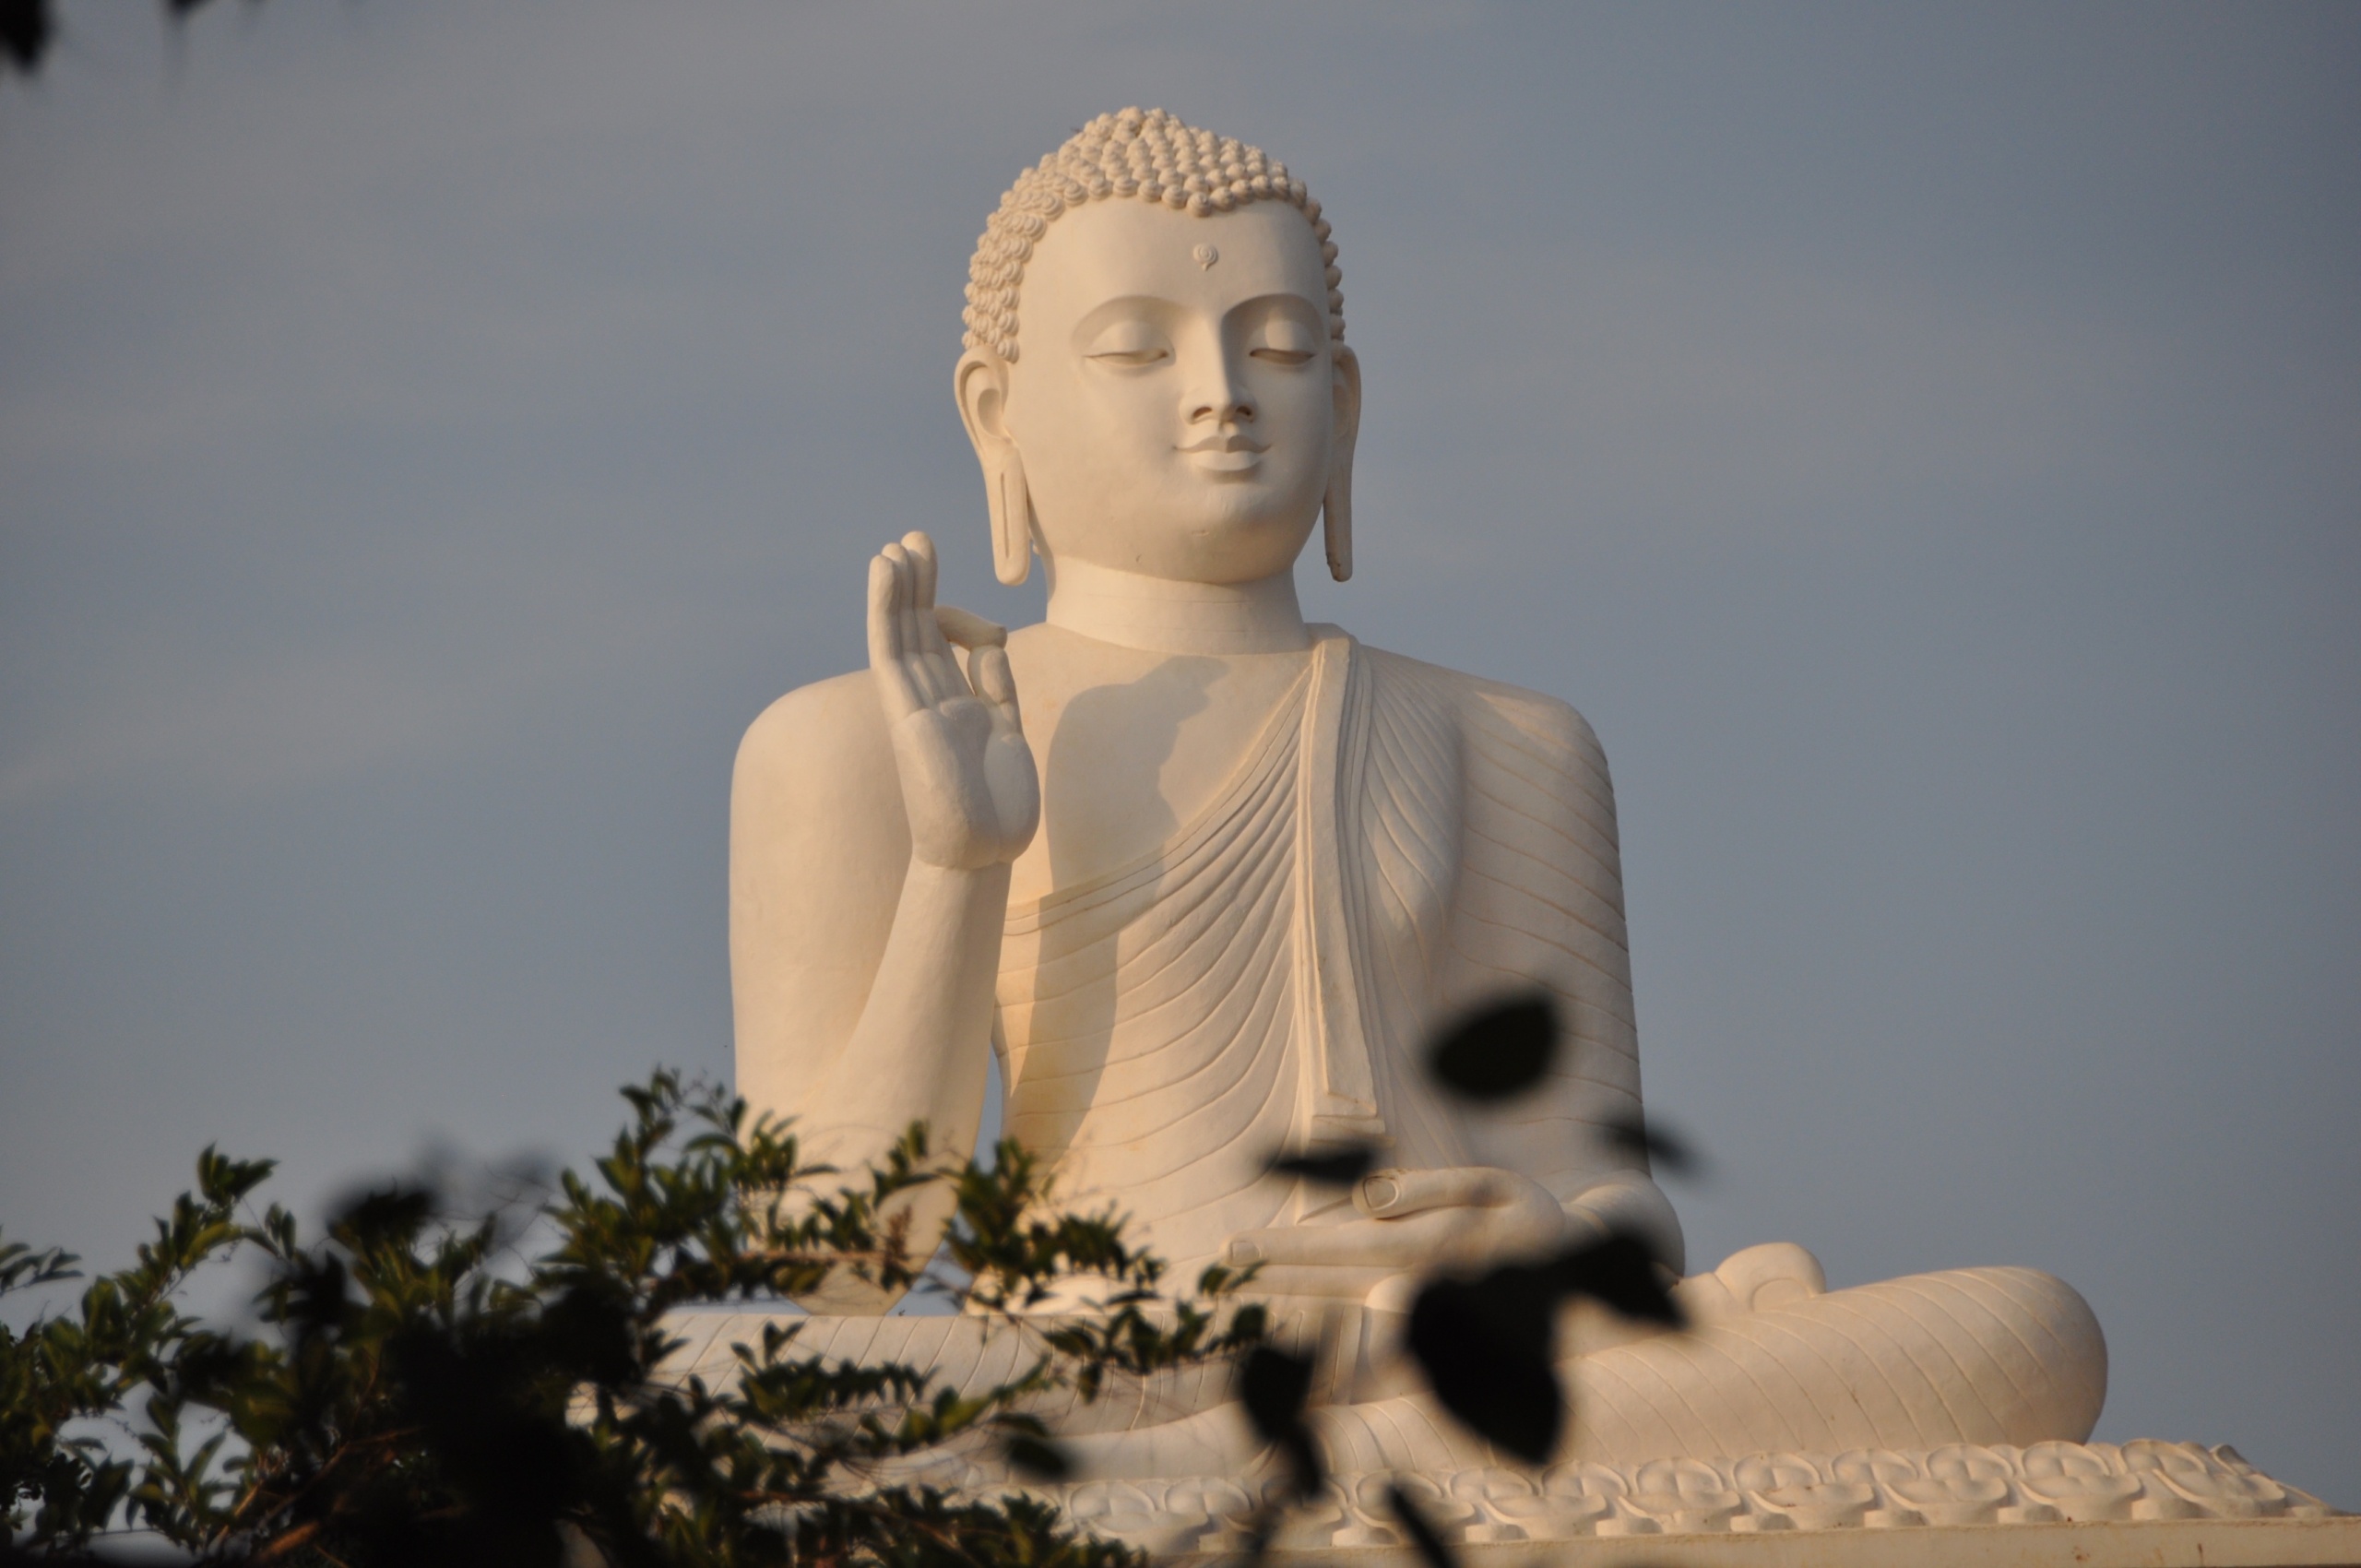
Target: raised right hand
969 784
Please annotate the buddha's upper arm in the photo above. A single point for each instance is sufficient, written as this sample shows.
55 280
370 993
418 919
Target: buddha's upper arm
1540 902
818 848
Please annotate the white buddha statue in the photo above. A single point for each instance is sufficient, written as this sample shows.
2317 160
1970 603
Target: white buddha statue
1203 876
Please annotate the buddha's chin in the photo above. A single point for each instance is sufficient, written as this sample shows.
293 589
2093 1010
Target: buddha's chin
1226 535
1246 506
1238 546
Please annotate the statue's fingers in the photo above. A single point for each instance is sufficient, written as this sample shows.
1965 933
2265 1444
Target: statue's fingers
1395 1195
967 629
1397 1243
996 683
910 634
886 639
921 552
1339 1284
943 666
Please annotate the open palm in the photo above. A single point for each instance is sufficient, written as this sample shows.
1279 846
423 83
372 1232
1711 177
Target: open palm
969 784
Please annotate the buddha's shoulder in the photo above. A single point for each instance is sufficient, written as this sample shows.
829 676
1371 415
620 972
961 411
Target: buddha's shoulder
824 739
1485 709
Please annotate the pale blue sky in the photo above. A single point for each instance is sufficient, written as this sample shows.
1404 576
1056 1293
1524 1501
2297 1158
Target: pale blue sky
1925 441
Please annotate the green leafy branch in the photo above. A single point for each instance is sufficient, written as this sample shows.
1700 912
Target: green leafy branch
408 1400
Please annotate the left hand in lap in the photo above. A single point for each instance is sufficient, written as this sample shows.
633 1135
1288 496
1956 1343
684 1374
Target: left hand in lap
1407 1220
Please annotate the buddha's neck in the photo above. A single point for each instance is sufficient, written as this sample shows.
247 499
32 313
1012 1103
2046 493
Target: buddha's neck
1164 616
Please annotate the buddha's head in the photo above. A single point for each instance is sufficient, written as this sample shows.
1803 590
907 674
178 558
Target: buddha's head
1156 378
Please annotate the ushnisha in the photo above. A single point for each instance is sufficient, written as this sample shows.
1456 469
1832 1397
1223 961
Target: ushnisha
1205 890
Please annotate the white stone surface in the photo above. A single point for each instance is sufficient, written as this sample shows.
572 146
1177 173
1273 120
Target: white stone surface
1902 1497
1204 876
2205 1543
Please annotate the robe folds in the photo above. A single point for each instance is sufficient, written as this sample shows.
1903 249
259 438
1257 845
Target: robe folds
1398 841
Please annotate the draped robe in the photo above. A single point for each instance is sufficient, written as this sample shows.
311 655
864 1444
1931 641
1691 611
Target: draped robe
1398 840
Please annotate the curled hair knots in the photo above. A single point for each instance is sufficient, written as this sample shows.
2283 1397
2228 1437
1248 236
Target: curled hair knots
1132 154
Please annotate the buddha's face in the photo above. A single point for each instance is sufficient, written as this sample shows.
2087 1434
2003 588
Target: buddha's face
1178 405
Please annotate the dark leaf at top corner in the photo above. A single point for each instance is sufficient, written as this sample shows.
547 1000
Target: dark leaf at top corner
25 32
1500 1051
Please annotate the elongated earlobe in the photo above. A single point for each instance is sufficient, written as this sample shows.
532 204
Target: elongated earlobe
1337 523
980 384
1336 502
1012 509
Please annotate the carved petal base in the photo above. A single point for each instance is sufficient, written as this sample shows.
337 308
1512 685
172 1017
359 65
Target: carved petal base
2095 1505
2250 1543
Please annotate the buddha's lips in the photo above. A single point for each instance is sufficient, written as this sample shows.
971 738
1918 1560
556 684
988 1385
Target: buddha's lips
1226 454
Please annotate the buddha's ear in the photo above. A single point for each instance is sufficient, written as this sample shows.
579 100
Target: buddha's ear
1336 502
981 384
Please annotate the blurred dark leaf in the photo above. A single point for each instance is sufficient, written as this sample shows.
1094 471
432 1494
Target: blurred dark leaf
1632 1135
1487 1347
25 33
1039 1458
1273 1387
1500 1051
1424 1538
1489 1343
1620 1272
385 1217
28 28
1332 1167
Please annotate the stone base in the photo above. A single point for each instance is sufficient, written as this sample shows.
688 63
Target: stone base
2140 1504
2144 1502
2179 1543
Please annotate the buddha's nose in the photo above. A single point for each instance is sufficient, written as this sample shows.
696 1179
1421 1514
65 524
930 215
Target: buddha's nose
1232 408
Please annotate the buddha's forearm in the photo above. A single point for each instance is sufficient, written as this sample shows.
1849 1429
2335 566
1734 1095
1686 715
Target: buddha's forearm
920 1050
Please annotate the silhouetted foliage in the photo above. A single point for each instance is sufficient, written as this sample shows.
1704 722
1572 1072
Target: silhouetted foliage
1487 1347
1338 1167
1274 1388
418 1393
1636 1136
1424 1538
1497 1051
1489 1343
25 32
1620 1272
28 28
409 1401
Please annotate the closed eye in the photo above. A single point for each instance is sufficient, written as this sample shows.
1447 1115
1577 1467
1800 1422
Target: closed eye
1131 345
1280 339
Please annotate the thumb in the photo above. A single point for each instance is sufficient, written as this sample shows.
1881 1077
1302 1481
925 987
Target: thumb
988 667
